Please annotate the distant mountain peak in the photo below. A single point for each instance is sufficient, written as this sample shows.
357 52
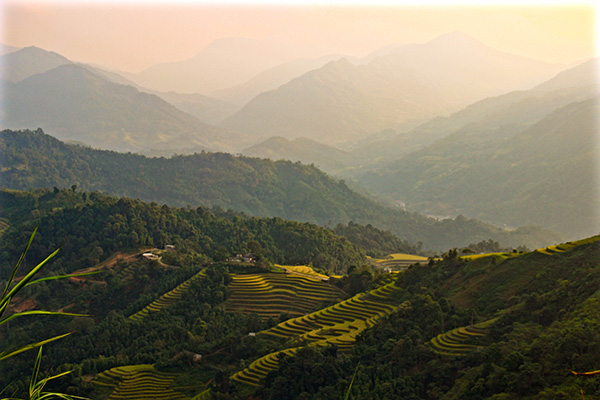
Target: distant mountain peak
456 39
341 64
224 63
34 50
23 63
5 49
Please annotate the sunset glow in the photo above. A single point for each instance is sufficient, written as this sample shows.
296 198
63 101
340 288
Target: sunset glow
135 36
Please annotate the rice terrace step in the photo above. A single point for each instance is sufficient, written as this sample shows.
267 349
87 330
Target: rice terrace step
454 342
272 294
136 382
339 324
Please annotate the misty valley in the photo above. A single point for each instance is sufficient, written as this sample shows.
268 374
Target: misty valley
419 222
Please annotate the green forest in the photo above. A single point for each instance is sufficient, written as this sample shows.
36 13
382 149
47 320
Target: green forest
504 325
254 186
91 227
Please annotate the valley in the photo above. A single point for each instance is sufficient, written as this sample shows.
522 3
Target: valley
267 202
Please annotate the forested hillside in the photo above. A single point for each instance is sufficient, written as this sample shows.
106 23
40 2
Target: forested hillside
543 174
526 157
90 227
258 187
502 325
495 327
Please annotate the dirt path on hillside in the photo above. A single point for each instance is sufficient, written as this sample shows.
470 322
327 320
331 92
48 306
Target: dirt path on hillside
109 263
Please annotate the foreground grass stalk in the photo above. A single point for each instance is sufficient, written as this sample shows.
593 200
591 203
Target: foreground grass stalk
35 386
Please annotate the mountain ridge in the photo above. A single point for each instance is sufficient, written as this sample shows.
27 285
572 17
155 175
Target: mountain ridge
342 102
75 103
506 174
258 187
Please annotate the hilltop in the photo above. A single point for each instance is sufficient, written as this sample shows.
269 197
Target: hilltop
76 103
93 226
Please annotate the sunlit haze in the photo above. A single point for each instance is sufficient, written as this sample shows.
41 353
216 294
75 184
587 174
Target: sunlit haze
133 37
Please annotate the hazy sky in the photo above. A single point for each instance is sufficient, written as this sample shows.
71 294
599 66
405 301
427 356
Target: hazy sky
136 35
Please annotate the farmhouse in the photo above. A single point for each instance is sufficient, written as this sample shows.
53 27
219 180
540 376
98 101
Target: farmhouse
150 256
249 257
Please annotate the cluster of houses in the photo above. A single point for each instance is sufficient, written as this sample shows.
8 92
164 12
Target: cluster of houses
151 256
247 258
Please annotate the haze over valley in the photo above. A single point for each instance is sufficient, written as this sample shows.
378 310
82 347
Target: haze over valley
452 103
317 202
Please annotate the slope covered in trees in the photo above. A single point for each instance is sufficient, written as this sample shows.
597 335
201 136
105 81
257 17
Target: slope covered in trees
544 174
548 324
539 309
91 226
258 187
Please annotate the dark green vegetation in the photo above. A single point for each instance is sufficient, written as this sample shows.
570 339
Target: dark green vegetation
180 295
327 158
548 322
509 326
257 187
376 242
91 227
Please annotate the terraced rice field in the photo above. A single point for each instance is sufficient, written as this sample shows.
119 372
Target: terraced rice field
271 294
550 250
303 270
338 324
166 299
399 260
258 370
137 382
454 342
498 256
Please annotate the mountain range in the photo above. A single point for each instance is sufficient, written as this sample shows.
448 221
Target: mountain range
337 102
23 63
258 187
223 63
461 164
522 157
77 104
271 79
342 101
